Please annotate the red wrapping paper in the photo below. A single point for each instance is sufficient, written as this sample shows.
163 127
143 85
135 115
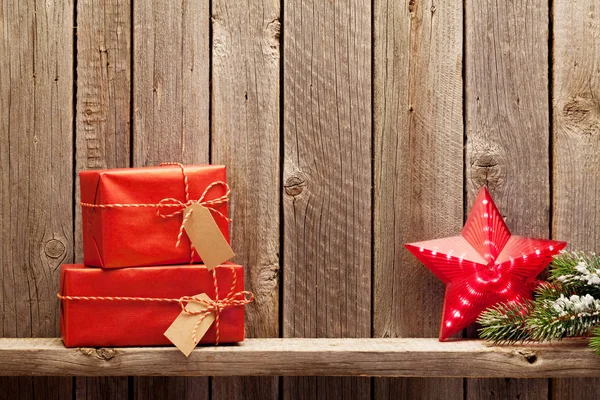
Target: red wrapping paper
130 237
131 323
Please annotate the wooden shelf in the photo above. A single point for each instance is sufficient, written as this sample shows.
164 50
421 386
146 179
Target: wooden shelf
305 357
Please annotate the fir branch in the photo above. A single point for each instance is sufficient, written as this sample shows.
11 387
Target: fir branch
566 263
540 320
578 272
506 323
566 316
565 306
595 341
551 291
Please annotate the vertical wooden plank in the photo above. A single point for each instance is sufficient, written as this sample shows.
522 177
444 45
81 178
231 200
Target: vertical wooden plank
418 170
576 145
105 388
507 127
575 388
170 118
36 140
15 388
102 122
103 91
327 181
171 82
170 388
508 388
245 137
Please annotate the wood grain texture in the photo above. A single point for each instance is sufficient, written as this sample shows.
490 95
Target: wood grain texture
105 388
304 357
574 388
507 388
245 137
327 180
36 173
507 126
418 171
171 64
171 388
102 128
26 388
103 91
576 145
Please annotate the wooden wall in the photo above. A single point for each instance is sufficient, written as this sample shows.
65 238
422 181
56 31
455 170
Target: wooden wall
348 128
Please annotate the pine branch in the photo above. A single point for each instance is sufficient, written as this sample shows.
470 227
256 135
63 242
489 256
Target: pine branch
506 323
564 317
551 291
540 320
567 305
595 341
578 272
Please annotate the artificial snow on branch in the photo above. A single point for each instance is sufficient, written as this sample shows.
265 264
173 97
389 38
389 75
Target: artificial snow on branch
568 305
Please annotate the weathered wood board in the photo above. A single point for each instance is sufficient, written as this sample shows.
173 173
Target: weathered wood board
36 174
576 143
327 181
507 130
305 357
418 162
246 138
171 101
102 127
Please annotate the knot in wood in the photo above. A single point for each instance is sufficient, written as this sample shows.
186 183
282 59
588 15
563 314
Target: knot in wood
582 112
54 248
294 185
273 32
528 355
486 168
101 354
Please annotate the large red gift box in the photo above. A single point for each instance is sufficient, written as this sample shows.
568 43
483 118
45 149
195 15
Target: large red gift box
121 226
89 322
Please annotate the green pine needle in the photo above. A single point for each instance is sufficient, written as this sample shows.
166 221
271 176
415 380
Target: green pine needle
567 305
567 316
506 323
595 341
578 272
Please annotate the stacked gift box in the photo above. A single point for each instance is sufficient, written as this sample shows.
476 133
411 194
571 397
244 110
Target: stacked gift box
145 236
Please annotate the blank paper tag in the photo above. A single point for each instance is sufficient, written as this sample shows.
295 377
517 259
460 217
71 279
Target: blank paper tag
206 236
180 331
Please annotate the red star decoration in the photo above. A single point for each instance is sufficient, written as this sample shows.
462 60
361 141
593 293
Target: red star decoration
483 266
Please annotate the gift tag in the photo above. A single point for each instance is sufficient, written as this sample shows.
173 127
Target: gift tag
206 236
180 331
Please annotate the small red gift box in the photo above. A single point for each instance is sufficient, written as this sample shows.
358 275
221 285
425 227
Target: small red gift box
95 313
133 216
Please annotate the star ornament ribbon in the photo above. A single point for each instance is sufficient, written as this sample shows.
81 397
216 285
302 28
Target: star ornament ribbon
483 266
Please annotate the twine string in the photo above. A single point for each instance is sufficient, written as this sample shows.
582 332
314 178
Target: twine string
216 305
165 205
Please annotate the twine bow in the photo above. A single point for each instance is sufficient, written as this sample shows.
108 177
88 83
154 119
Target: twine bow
170 202
215 305
180 206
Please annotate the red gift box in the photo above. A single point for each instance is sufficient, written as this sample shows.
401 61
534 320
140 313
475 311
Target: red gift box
132 216
104 322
